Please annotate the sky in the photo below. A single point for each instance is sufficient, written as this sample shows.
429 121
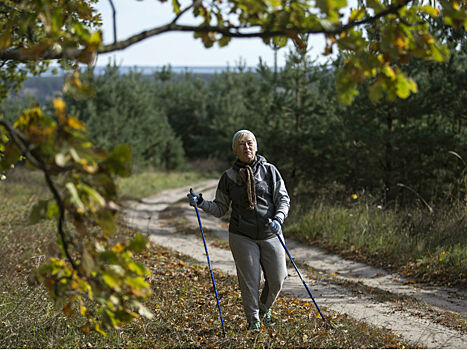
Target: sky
178 49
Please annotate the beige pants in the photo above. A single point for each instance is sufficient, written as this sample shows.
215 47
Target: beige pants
251 257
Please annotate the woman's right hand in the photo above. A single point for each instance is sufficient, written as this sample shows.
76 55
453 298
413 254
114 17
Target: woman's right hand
194 198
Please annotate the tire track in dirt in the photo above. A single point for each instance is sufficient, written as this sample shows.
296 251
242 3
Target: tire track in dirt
366 293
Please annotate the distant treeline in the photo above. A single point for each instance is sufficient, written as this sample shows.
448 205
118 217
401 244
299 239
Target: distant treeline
400 150
44 88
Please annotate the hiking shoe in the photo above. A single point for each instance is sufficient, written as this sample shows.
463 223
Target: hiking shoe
254 325
266 316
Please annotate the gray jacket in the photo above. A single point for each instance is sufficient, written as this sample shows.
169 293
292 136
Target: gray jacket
272 200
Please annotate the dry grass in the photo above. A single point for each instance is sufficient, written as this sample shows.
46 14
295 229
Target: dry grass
428 247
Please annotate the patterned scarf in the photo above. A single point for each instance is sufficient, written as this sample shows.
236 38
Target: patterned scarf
247 177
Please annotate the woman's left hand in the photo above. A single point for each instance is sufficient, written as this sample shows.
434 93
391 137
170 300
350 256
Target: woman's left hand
275 226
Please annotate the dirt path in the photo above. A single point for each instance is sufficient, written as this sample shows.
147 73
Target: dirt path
428 316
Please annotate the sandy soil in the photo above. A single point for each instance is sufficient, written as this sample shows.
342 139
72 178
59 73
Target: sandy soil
432 317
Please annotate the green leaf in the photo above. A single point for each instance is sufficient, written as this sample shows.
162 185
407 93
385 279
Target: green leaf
53 211
137 283
404 86
389 72
108 257
119 161
111 280
279 41
357 14
74 154
224 41
346 88
375 5
138 268
431 11
439 54
376 90
94 195
74 197
176 6
138 243
106 221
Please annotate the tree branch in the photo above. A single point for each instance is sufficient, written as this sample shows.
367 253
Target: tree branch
35 160
231 31
388 11
114 15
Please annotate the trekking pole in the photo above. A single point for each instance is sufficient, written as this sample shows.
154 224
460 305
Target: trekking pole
303 281
210 269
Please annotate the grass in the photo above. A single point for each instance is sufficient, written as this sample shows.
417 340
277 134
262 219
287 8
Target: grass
182 301
147 183
425 246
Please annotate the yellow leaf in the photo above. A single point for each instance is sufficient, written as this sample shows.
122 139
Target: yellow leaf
75 123
389 72
82 310
99 329
118 248
433 12
60 108
400 42
95 40
357 14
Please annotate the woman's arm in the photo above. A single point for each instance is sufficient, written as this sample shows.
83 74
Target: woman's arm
220 205
280 196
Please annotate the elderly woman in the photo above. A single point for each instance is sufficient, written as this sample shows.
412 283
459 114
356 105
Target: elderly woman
260 203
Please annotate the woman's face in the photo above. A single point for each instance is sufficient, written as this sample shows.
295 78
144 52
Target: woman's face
245 148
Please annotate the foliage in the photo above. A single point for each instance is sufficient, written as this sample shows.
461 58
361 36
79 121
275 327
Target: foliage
33 28
123 109
90 272
377 37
